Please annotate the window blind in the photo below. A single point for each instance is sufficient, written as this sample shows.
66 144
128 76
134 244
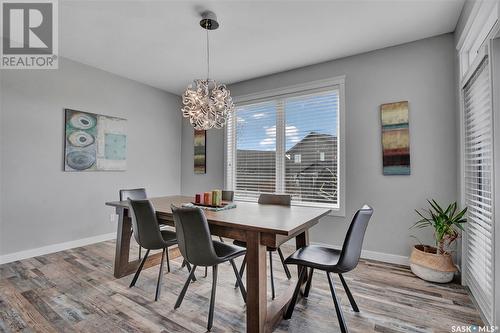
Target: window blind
287 144
478 172
311 148
255 154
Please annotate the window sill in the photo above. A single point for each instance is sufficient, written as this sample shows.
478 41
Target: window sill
334 211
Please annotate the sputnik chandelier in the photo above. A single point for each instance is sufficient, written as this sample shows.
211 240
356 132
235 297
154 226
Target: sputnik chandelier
207 103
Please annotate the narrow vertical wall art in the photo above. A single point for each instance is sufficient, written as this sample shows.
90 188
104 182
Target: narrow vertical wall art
200 151
395 138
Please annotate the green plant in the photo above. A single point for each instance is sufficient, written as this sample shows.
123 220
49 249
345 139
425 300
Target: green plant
444 221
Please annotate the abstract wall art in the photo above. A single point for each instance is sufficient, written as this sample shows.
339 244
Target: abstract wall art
94 142
395 138
200 151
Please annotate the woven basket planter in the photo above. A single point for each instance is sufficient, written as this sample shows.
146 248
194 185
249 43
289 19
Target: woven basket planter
430 266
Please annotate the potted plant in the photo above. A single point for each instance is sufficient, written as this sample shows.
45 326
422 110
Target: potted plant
434 263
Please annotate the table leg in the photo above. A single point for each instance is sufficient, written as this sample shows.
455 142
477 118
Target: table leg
300 241
123 234
256 283
277 307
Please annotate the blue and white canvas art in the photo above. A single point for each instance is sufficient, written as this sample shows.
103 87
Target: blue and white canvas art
94 142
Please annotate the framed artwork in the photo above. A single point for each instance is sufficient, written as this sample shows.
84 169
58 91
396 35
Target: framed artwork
94 142
395 138
200 151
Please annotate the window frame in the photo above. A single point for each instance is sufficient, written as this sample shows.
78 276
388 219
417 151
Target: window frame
317 86
478 30
474 42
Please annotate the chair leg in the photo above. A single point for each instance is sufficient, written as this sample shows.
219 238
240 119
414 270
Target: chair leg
168 260
272 277
160 276
206 271
242 269
309 281
285 267
338 309
238 280
220 238
139 269
293 301
188 266
212 298
349 295
140 250
184 289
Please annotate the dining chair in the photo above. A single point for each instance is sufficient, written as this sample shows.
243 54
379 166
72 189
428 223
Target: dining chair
198 248
226 196
134 194
331 261
269 199
147 233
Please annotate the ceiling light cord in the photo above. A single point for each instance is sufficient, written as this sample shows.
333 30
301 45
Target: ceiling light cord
208 53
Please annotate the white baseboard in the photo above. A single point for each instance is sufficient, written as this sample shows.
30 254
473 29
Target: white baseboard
10 257
379 256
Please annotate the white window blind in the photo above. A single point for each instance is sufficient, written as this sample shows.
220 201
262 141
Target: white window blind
255 158
286 144
478 172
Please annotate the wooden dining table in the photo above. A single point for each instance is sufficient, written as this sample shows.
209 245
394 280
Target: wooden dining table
258 225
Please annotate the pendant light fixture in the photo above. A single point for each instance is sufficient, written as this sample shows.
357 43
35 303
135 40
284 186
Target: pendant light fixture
207 103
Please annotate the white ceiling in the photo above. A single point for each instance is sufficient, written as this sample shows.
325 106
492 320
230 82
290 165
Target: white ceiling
161 44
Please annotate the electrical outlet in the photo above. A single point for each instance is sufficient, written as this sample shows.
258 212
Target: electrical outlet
113 218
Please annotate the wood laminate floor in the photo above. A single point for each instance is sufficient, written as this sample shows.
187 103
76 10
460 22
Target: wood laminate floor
75 291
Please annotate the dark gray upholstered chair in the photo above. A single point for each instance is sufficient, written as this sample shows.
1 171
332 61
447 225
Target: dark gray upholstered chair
270 199
227 195
198 249
332 261
134 194
147 233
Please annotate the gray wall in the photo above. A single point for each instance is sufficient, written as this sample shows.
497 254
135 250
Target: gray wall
421 72
44 205
192 183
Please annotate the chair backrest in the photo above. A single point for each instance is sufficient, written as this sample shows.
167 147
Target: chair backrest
193 236
227 195
145 224
134 194
353 242
275 199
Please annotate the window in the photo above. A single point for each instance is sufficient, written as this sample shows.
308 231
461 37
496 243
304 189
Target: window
478 187
288 143
476 34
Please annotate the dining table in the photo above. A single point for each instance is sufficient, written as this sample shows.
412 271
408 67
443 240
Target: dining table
260 226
